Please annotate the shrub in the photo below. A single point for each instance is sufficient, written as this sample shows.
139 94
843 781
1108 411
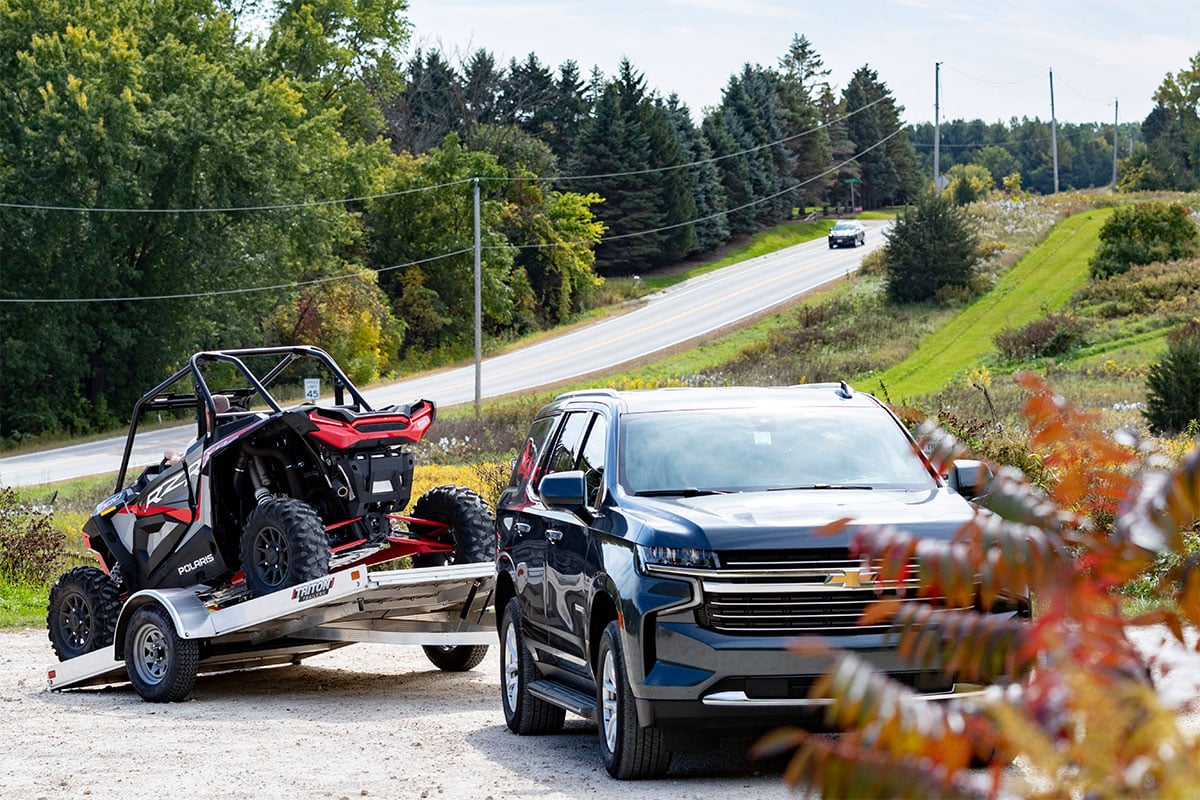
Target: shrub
1173 384
1142 234
928 248
31 548
1087 721
1050 336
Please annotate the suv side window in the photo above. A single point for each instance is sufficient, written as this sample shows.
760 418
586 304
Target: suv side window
591 460
525 471
566 449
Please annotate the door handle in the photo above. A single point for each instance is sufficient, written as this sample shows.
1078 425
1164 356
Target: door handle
553 535
523 527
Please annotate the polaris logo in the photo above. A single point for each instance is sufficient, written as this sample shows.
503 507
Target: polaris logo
310 591
199 562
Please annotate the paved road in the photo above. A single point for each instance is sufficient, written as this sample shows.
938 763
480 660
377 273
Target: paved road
663 320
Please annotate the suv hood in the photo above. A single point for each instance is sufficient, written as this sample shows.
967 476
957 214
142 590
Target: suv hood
787 519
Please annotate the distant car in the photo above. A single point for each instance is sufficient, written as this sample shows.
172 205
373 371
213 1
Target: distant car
660 550
847 233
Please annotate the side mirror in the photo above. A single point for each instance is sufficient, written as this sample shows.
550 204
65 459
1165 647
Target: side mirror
972 479
565 490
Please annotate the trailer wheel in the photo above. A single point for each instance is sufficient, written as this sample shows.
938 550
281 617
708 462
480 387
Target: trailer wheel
455 658
82 612
472 527
160 663
283 544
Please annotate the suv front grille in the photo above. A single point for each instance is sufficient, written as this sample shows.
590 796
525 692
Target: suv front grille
798 593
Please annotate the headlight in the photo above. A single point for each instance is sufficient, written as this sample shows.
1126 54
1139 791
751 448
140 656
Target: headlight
671 559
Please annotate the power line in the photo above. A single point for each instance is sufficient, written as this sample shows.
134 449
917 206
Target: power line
995 83
462 251
384 195
231 209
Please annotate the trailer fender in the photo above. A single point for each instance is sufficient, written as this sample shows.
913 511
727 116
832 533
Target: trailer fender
187 611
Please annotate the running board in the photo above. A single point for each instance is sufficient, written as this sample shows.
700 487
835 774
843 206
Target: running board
564 696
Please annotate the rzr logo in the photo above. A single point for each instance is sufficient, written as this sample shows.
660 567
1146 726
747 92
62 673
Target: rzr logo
852 579
312 590
170 485
199 562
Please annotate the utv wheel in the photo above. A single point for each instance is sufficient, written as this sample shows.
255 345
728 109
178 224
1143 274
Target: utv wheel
524 713
472 527
82 612
630 751
160 663
455 658
283 544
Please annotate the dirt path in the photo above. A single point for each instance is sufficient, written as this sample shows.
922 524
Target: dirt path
364 721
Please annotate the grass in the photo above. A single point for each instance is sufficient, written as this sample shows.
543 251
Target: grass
1040 282
22 605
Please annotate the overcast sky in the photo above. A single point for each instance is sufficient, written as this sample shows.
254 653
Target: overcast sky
995 55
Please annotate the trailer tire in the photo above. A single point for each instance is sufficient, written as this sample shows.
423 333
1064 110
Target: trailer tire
283 544
82 613
472 527
455 658
160 663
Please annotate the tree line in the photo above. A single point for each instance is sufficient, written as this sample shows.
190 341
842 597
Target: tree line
171 182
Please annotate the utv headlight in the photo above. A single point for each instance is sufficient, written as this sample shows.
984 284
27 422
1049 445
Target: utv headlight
676 559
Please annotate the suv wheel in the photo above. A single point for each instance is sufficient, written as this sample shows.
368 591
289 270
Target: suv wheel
283 544
524 713
630 751
82 613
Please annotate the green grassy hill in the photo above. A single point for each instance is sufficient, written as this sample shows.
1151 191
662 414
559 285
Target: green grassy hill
1038 284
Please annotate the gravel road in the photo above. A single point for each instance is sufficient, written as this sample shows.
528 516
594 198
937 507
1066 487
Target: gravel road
363 721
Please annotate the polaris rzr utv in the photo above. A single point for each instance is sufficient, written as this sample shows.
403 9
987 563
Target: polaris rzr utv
265 496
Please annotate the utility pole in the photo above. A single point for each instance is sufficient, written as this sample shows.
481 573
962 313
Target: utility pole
1115 107
478 309
1053 131
937 129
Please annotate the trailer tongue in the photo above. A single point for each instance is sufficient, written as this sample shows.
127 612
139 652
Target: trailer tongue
165 637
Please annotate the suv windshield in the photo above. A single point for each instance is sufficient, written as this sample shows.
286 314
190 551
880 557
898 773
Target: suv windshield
690 452
845 226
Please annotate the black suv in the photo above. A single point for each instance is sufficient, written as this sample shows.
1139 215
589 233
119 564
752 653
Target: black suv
658 552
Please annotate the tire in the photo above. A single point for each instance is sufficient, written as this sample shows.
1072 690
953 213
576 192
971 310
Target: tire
630 751
523 713
283 544
160 663
455 658
472 527
82 613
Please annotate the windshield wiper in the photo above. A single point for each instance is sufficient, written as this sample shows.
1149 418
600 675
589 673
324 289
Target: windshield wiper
820 486
689 492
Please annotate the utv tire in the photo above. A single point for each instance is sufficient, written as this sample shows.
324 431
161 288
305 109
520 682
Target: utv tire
455 658
160 663
472 527
523 713
82 612
630 751
283 544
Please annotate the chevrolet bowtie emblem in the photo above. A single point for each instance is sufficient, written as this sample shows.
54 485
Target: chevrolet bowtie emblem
851 579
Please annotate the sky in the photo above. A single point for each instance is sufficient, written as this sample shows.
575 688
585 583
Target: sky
996 56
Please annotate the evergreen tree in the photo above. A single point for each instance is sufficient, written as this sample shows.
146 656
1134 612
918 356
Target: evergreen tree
1173 384
733 167
889 173
928 248
802 84
841 148
712 226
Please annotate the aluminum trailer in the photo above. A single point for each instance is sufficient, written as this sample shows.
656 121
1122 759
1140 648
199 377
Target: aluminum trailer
437 607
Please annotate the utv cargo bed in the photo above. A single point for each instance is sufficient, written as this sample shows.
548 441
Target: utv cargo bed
438 607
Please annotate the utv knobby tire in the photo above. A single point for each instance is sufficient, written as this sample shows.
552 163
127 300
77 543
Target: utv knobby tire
160 663
283 544
455 658
471 526
82 612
